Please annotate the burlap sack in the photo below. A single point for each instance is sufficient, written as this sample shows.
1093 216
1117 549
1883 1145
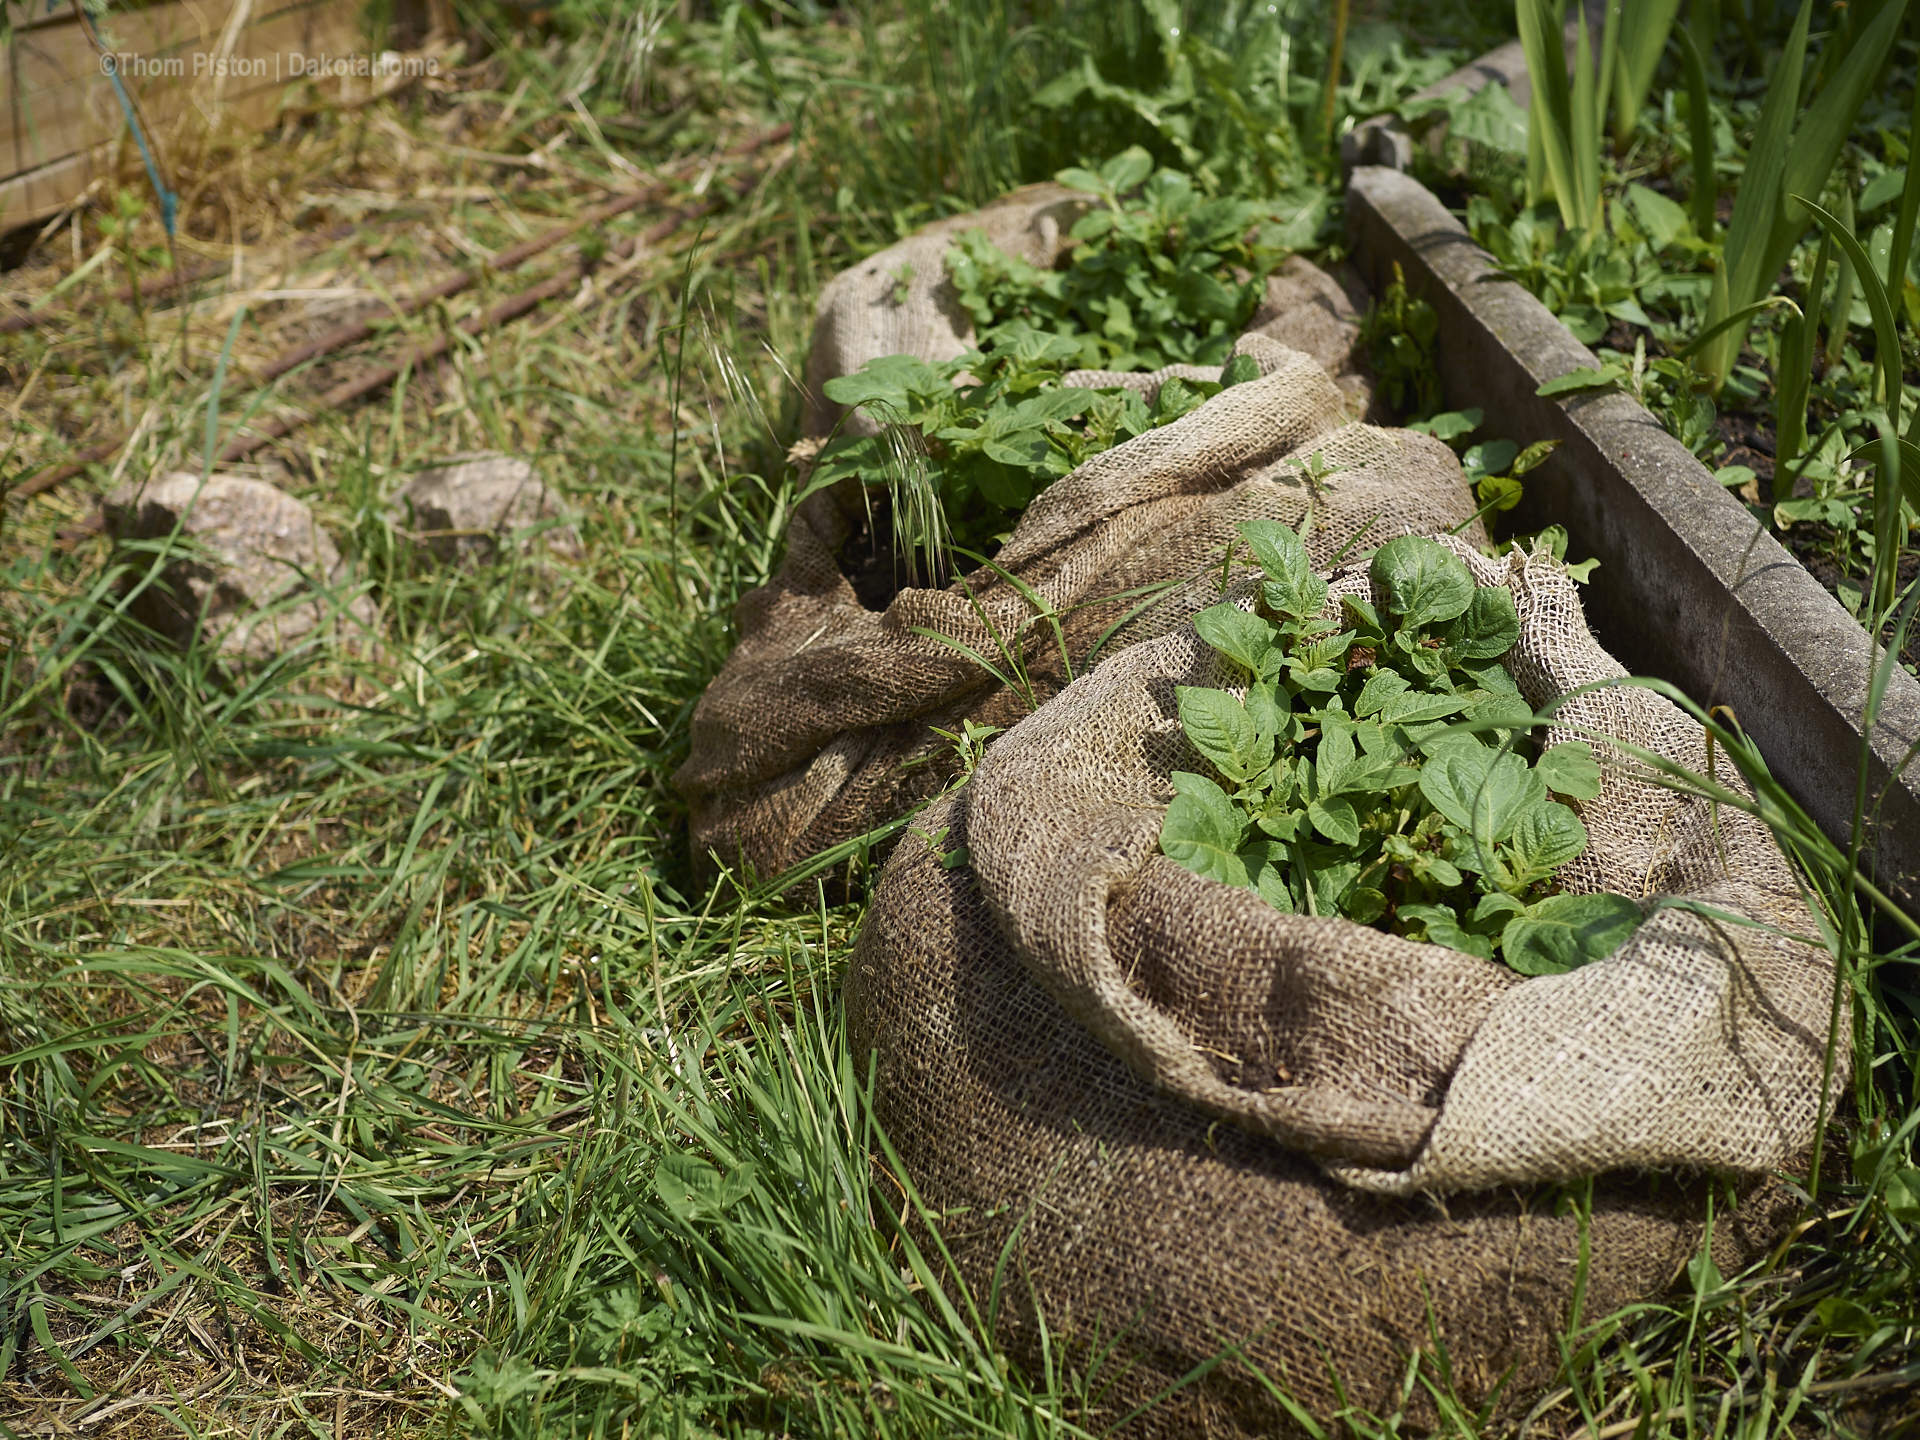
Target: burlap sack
1219 1125
1304 309
900 301
821 725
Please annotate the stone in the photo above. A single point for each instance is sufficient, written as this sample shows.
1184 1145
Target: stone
257 575
463 509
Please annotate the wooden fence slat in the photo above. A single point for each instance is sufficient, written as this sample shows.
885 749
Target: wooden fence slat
59 116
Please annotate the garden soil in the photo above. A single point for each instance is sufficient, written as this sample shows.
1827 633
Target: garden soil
1166 1119
822 726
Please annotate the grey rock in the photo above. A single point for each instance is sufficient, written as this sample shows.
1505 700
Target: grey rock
463 510
253 574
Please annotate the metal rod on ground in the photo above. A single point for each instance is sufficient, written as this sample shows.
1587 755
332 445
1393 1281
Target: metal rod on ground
507 310
149 287
508 259
347 334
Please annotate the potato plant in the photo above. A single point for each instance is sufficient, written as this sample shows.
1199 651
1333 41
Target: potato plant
1377 766
1163 273
986 449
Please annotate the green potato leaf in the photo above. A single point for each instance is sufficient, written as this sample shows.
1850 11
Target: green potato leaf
1018 449
1239 369
1585 378
1263 706
1485 795
1364 905
1326 872
1073 177
1335 819
1245 639
1204 830
1564 932
1220 729
1414 708
1548 836
1491 457
1292 587
1423 583
1127 169
1320 682
1491 677
1336 755
1570 769
1443 928
1286 825
1487 629
1179 397
1268 863
1382 687
895 389
1363 620
1533 457
1491 914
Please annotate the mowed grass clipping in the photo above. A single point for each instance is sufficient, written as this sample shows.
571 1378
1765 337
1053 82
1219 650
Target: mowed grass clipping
373 1059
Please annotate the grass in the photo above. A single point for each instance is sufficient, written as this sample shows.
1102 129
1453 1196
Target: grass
1779 110
371 1060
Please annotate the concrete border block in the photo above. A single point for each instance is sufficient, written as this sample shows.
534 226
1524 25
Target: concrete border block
1690 588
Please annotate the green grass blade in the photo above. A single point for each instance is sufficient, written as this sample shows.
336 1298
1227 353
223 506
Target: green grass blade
1841 307
1551 111
1909 466
1741 316
1885 334
1587 114
1794 377
1644 25
1821 133
1706 190
1888 532
1896 276
1756 204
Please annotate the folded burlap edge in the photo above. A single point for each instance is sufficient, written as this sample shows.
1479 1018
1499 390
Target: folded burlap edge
1554 1081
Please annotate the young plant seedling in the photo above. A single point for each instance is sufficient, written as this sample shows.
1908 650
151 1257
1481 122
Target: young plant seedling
989 447
1345 780
1163 274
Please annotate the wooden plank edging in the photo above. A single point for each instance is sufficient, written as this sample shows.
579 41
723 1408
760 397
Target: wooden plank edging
1691 587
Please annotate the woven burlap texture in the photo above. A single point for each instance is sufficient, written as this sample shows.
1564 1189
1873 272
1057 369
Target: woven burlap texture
1414 1068
821 724
1149 1236
900 301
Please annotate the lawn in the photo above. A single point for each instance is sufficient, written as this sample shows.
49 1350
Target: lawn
375 1055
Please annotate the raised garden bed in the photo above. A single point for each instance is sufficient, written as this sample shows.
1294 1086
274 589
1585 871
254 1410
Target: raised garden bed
1690 587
